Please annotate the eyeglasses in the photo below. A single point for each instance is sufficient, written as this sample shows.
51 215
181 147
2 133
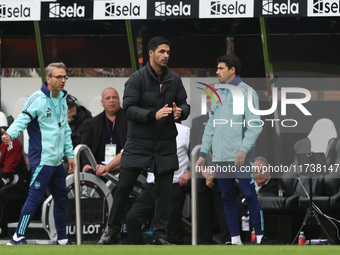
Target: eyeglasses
59 77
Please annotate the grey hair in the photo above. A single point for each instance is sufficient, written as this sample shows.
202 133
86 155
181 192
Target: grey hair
49 68
262 159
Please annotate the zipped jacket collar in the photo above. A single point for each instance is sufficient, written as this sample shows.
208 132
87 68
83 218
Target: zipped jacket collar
164 76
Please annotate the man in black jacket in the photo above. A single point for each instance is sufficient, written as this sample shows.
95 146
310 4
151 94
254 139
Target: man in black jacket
154 97
106 132
264 184
78 117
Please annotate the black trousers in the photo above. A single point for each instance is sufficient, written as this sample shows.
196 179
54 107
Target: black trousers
163 186
210 210
142 211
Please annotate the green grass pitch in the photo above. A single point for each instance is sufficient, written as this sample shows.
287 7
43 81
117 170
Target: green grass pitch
169 250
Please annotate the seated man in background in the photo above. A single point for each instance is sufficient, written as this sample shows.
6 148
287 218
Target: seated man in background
78 117
264 184
106 134
142 210
13 168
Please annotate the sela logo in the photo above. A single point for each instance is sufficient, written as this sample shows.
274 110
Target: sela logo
114 9
120 9
164 9
56 10
19 11
230 8
271 7
326 7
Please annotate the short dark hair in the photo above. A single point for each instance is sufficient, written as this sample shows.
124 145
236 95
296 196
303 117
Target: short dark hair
156 41
231 61
72 100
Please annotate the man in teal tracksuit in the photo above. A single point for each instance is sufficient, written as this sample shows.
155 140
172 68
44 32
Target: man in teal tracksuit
45 117
232 138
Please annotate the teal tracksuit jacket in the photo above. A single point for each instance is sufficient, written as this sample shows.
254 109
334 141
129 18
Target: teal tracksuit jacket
47 126
227 133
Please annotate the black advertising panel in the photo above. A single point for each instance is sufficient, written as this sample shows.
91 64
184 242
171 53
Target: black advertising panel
67 10
173 9
280 8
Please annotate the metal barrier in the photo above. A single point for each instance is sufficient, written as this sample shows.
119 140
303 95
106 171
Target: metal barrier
194 157
93 163
113 178
84 148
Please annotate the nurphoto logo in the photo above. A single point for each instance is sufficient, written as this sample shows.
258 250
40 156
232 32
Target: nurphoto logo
209 93
238 103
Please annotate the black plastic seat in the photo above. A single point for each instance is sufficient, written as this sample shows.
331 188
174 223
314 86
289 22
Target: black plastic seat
12 199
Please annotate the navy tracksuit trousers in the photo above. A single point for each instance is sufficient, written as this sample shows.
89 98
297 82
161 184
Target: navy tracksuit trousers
43 177
226 182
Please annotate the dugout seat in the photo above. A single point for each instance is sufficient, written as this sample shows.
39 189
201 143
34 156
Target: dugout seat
289 207
322 138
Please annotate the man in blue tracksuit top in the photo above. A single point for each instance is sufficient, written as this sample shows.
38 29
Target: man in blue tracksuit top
45 117
232 138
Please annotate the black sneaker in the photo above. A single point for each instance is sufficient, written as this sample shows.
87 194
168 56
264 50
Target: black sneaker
265 240
161 241
20 242
230 243
268 241
109 238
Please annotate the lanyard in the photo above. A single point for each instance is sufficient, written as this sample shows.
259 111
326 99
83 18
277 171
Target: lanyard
108 128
